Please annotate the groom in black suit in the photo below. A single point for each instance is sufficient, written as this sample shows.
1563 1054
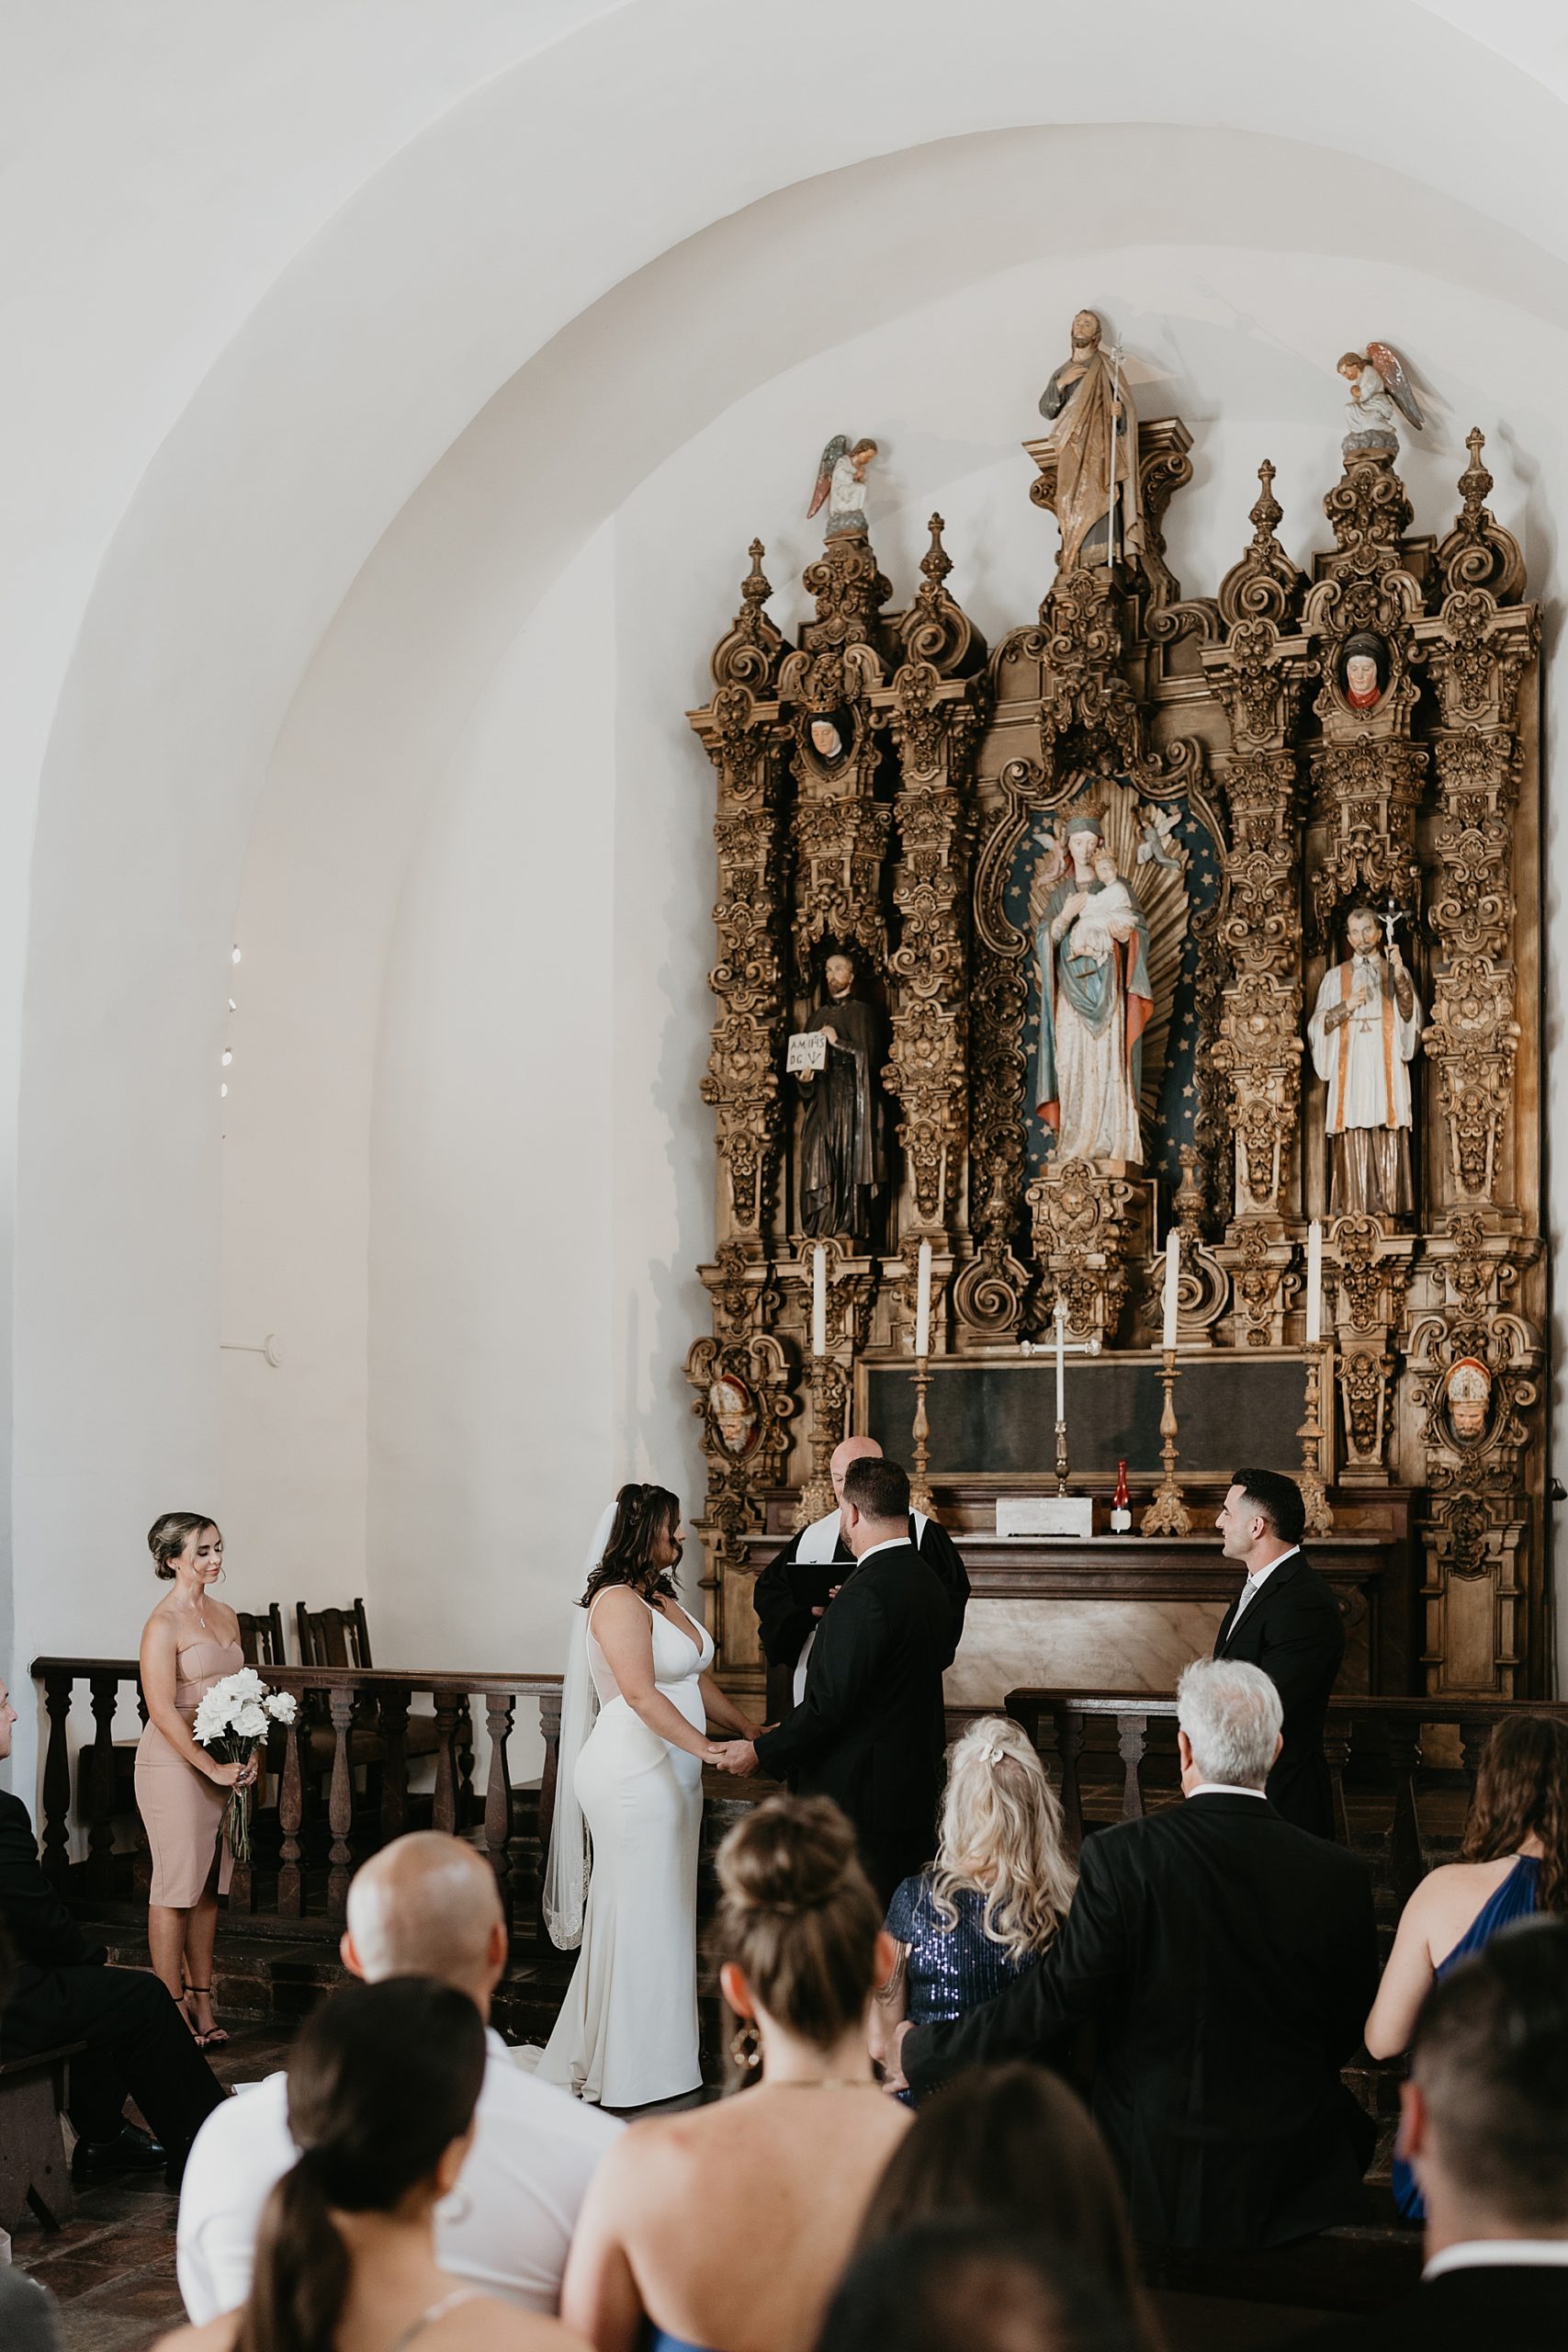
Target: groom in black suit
1286 1620
870 1731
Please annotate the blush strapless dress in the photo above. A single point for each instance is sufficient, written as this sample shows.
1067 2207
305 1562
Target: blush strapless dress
182 1811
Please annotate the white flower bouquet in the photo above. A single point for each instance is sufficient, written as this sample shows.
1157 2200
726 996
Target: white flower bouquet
233 1720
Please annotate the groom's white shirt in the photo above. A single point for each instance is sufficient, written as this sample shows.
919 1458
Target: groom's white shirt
817 1546
506 2230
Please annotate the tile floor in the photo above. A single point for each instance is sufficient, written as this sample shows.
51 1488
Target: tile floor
112 2268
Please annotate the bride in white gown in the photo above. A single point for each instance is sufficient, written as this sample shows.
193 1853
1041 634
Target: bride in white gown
638 1696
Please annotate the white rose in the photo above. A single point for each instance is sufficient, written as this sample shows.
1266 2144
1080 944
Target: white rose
212 1718
246 1684
251 1722
282 1706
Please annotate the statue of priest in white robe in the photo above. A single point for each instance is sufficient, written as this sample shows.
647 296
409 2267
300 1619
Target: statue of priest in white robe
1364 1031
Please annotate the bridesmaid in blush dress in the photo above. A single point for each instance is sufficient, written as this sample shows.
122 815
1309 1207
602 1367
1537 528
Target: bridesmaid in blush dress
190 1642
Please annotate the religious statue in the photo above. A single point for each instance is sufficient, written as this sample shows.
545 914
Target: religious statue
1467 1392
1364 669
734 1412
828 734
1364 1030
1095 1000
843 1160
1379 385
841 480
1098 499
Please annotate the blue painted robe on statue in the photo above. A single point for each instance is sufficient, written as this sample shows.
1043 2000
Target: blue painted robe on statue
1110 1001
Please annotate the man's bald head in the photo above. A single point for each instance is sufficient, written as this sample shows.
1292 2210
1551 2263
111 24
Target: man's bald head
426 1905
853 1449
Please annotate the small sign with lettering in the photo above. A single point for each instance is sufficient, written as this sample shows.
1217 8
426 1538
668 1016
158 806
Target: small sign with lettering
1044 1515
807 1050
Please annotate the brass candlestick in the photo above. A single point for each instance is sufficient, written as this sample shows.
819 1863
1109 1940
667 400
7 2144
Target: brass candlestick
1314 1494
920 1484
817 1494
1168 1514
1061 1457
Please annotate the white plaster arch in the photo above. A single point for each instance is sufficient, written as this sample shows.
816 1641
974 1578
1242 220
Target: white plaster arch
474 242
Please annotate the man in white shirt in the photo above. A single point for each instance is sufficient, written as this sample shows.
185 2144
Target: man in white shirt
1285 1620
425 1905
1484 2124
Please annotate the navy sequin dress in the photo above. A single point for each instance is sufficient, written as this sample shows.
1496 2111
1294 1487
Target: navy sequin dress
951 1970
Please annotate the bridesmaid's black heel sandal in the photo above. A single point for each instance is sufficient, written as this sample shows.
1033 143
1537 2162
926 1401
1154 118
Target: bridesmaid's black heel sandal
215 2037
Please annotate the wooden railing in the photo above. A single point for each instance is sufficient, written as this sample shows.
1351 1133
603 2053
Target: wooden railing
352 1723
1376 1751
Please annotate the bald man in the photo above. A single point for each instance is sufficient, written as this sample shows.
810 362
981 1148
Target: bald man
425 1905
793 1591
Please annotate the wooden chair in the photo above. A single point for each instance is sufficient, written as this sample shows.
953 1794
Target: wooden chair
33 2170
342 1637
260 1637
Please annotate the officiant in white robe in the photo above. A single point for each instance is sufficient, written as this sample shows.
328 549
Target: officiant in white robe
795 1589
1364 1031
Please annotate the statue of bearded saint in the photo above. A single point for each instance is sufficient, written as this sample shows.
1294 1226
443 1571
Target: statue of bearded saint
1364 1031
1094 435
843 1157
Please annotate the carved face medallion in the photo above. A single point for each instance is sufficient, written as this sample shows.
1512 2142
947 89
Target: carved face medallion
1469 1393
733 1413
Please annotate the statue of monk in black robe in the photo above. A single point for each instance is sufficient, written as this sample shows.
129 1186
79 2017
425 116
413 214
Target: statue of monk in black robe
843 1161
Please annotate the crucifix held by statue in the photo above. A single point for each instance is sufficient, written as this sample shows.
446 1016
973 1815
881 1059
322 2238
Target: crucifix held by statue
1364 1031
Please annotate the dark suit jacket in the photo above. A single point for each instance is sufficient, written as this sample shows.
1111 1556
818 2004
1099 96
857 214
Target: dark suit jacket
1294 1632
789 1591
1228 1962
870 1731
1518 2310
43 1935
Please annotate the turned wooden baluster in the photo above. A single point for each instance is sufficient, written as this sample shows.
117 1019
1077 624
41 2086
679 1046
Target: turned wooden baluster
340 1803
1403 1748
290 1816
394 1724
500 1707
1132 1741
1336 1732
100 1764
1474 1732
141 1855
549 1729
57 1778
463 1754
1069 1747
444 1804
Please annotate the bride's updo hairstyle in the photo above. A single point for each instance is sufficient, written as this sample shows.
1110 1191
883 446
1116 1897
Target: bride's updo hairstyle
167 1537
797 1915
383 2078
642 1515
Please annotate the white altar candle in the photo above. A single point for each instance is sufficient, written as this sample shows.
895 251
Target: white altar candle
1172 1276
1314 1283
1061 1361
819 1300
923 1301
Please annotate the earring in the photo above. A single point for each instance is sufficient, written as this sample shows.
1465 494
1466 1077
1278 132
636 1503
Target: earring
745 2046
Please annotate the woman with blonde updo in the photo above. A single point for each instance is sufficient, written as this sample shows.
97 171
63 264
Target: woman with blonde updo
190 1642
689 2215
995 1896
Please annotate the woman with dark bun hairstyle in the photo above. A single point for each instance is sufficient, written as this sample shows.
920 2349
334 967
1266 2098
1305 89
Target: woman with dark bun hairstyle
639 1695
382 2086
729 2226
190 1642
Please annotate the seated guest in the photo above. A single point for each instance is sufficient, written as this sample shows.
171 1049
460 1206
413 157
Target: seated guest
969 2285
1014 2146
382 2086
729 2225
1484 2127
1515 1863
138 2042
425 1905
1226 1959
30 2318
997 1894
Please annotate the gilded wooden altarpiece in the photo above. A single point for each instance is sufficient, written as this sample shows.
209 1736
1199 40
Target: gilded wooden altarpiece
1279 806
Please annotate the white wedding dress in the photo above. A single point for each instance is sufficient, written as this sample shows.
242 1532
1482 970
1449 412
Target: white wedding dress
627 2033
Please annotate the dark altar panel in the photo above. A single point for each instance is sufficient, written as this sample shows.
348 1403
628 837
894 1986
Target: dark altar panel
999 1417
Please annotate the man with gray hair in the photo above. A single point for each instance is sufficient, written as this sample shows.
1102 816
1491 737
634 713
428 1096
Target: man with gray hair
425 1905
1227 1960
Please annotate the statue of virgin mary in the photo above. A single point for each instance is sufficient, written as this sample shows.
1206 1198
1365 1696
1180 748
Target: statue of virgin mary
1095 1001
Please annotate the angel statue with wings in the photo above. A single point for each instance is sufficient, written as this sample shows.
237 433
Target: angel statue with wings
1108 950
840 480
1378 386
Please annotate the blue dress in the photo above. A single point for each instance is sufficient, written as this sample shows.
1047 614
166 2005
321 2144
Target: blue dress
1515 1899
951 1970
